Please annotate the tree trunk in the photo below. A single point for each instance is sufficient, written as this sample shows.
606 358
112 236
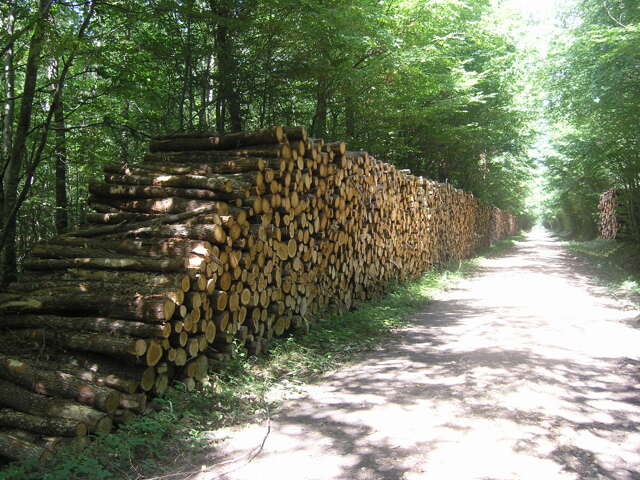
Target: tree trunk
60 154
205 92
9 81
12 174
319 124
227 66
350 118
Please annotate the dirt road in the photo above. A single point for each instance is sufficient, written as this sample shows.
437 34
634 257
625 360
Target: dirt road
525 371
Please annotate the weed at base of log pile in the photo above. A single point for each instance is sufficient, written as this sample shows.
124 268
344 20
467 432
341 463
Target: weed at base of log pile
614 264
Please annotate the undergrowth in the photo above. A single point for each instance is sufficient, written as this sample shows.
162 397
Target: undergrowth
615 264
175 434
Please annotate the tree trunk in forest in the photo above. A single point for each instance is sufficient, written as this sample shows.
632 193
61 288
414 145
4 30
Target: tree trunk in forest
187 65
60 154
220 112
319 123
350 118
12 174
124 136
203 120
9 81
227 68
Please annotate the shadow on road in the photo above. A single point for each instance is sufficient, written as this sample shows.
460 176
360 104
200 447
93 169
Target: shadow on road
525 371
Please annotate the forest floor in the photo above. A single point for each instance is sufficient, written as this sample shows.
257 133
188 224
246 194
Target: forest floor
527 370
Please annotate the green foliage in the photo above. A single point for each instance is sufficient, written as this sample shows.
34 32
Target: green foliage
614 264
595 92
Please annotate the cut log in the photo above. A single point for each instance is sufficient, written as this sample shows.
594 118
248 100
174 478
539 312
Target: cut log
210 233
121 328
296 133
242 139
56 383
122 347
22 400
118 218
223 142
136 402
16 448
213 161
101 190
187 186
171 205
170 136
96 369
150 280
132 264
185 143
151 309
58 427
65 247
179 217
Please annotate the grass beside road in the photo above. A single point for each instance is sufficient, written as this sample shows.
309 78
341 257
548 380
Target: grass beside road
615 264
175 433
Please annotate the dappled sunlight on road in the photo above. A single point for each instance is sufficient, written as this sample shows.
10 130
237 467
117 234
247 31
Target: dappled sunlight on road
527 371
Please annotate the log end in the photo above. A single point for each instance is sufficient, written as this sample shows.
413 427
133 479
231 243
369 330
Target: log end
148 379
112 401
104 425
154 353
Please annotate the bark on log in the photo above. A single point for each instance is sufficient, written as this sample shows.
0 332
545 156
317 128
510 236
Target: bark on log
165 206
122 347
151 309
101 190
179 144
66 247
16 448
22 400
223 183
58 427
223 142
211 161
56 383
150 280
110 230
296 133
131 264
112 326
209 233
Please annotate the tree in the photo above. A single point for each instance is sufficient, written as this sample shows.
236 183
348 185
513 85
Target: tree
595 89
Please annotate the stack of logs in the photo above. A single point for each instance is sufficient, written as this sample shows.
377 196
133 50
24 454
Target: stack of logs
210 241
607 206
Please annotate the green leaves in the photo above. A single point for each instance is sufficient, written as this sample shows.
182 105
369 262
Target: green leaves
595 84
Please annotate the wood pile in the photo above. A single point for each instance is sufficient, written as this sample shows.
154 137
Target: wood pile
607 206
210 240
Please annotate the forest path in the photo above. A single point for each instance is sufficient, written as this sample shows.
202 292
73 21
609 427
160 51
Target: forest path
525 371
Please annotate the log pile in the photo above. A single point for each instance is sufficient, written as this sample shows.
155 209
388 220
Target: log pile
607 206
210 240
618 214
